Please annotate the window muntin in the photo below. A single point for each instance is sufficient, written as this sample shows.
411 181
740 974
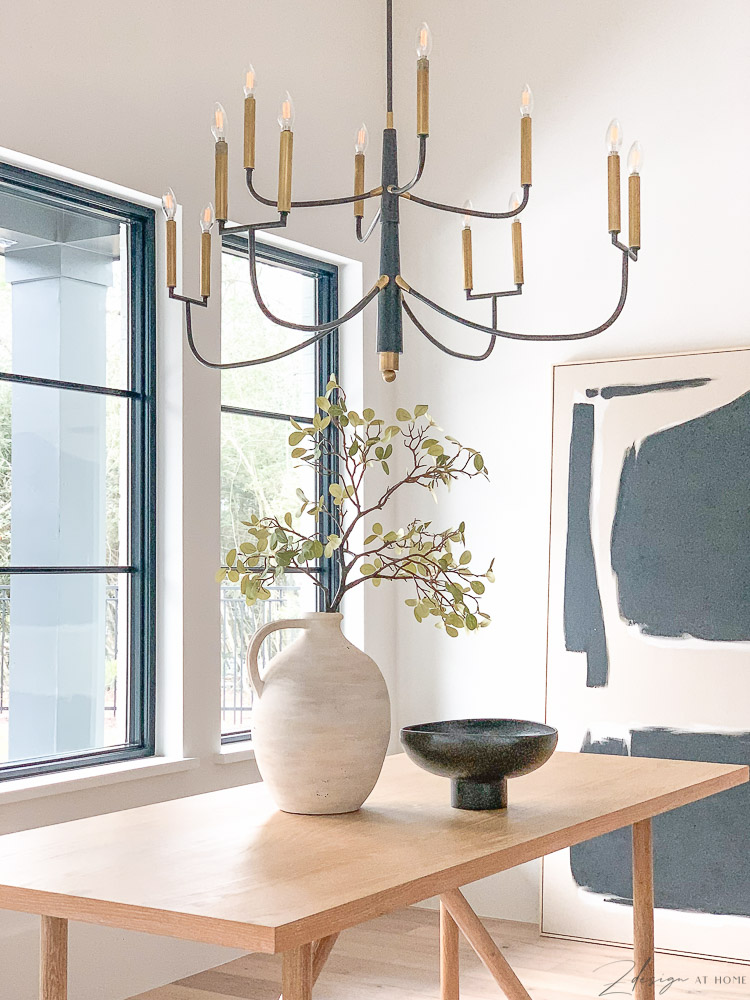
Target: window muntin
257 471
77 476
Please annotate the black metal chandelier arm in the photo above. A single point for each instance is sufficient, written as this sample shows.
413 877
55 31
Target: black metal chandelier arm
242 364
474 212
442 347
322 203
370 229
301 327
541 337
418 173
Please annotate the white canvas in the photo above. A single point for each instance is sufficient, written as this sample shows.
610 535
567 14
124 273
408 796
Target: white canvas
681 684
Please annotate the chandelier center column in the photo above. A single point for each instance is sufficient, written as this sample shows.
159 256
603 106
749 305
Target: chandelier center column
390 323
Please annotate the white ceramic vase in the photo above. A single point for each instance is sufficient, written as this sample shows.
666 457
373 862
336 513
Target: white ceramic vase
321 718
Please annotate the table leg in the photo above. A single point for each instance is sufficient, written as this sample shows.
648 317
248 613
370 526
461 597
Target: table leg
53 959
480 940
449 980
643 910
296 973
321 951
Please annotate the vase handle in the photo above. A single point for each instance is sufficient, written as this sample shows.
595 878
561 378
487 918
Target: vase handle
256 681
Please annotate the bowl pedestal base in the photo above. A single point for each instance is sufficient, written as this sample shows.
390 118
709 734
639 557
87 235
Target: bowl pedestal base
468 794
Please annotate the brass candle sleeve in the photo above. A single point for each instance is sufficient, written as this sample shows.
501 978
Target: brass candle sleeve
171 253
468 267
526 149
286 142
517 240
221 164
359 183
205 265
388 363
613 191
249 132
634 211
423 97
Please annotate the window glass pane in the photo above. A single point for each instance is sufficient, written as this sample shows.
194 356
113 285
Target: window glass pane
63 664
291 595
285 386
63 477
258 474
63 289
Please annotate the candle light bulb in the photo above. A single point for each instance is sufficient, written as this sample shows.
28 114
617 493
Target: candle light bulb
169 204
514 202
286 115
208 217
467 207
527 102
635 158
424 41
218 128
614 136
250 81
360 144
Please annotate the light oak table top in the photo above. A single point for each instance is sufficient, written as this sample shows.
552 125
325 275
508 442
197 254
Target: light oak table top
229 868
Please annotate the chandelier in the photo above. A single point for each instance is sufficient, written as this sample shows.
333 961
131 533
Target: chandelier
391 290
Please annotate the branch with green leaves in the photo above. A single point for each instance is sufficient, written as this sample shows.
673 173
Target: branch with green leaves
343 445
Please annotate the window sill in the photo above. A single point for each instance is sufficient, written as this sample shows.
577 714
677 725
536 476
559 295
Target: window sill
21 789
233 753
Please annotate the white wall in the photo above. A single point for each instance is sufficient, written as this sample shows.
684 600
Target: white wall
124 92
675 73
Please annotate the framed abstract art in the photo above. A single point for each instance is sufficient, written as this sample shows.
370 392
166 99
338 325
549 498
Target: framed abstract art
649 630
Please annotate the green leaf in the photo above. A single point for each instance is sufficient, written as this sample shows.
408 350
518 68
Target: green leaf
471 622
368 414
421 409
298 452
221 574
465 558
366 569
478 463
294 424
377 528
295 437
452 632
231 556
477 586
410 602
323 403
402 414
233 576
334 540
288 519
386 468
317 548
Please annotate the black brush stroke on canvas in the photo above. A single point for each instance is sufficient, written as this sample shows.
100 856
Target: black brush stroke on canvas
610 391
679 545
583 620
700 850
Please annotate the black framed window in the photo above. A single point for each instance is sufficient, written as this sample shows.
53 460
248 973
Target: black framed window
257 473
77 476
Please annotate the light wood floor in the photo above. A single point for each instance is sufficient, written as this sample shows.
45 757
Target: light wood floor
396 958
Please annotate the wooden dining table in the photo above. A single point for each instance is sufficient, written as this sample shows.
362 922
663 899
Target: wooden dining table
229 868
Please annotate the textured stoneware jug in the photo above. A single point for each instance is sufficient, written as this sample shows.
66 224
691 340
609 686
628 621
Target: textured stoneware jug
321 718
